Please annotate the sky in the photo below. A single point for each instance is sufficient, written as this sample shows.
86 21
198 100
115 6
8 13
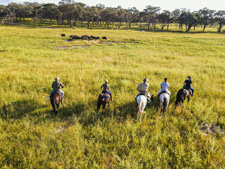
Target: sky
193 5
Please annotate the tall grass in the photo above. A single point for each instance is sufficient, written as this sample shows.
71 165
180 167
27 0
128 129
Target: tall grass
79 137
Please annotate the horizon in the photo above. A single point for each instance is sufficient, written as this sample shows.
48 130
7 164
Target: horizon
191 5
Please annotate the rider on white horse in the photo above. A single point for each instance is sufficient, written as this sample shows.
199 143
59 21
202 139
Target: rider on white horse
164 87
143 89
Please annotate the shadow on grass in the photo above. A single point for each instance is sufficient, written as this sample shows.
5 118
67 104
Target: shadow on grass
30 24
85 113
19 109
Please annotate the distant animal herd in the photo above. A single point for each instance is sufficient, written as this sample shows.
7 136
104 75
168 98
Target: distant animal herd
84 37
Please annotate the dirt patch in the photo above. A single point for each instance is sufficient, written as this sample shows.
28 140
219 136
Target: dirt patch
108 42
85 46
50 28
213 129
71 47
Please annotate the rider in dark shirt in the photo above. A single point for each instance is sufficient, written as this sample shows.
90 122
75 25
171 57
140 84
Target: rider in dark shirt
187 85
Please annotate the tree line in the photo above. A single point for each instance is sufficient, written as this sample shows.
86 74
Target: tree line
79 14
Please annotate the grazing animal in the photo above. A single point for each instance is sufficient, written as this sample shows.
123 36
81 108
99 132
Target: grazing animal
141 102
91 37
85 37
182 94
76 37
164 99
104 37
55 99
63 35
103 99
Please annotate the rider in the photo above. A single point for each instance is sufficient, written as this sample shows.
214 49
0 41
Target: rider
105 89
164 87
187 85
56 86
143 89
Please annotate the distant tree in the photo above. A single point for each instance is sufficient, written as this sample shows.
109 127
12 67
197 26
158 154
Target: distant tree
206 17
67 7
79 13
189 19
131 16
109 15
2 10
50 11
165 19
100 8
121 16
13 10
38 10
151 13
220 18
92 14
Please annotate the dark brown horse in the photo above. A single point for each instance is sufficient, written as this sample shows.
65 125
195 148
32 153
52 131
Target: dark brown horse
103 99
55 99
182 94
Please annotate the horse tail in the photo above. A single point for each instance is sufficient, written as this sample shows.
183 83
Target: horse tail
177 99
140 104
99 102
53 102
165 103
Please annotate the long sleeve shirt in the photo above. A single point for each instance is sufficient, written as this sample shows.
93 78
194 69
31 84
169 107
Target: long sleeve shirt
105 87
143 87
56 85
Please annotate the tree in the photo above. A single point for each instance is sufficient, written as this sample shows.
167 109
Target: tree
165 19
220 18
51 11
151 13
67 7
189 19
13 10
109 15
2 10
206 17
175 15
131 16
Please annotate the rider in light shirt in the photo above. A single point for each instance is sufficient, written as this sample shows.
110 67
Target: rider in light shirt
164 87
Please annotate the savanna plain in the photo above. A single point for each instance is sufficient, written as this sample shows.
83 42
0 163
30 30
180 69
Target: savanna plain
81 137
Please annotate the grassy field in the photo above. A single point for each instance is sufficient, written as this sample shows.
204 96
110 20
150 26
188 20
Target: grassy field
79 137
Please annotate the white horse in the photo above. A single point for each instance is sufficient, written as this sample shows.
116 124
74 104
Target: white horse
140 104
164 99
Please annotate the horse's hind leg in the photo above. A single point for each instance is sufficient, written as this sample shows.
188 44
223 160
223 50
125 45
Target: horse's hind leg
188 99
140 116
104 106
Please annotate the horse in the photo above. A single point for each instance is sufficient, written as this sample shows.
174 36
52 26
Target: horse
55 99
182 94
164 99
141 102
103 99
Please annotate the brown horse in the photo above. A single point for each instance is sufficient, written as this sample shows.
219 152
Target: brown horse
102 100
55 99
182 94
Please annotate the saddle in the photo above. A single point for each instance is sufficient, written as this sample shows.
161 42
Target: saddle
163 92
57 93
189 90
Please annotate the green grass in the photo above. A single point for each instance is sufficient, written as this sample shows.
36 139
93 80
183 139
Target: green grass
79 137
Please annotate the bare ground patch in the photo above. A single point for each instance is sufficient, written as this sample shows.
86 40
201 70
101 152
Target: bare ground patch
85 46
208 128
